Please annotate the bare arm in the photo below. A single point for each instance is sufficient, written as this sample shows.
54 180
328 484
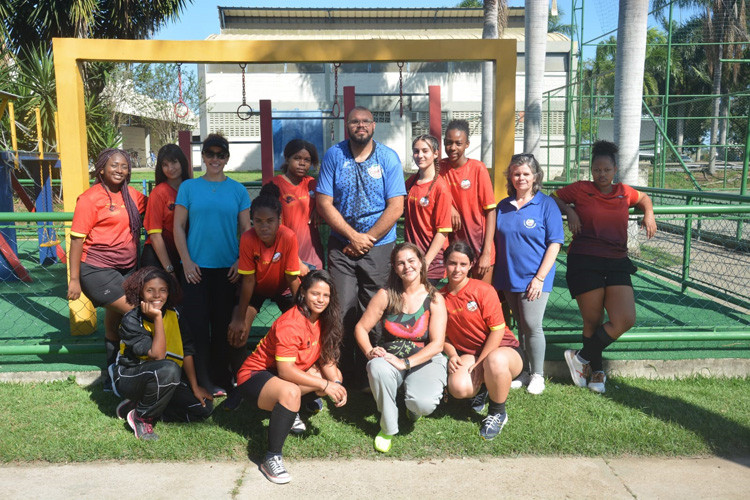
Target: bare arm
190 268
367 322
435 246
237 333
438 320
289 372
649 222
76 250
574 222
534 289
490 219
490 344
293 282
157 243
361 242
201 394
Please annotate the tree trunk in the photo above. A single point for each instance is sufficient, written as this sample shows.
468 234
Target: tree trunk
535 49
631 56
490 30
680 127
723 126
716 109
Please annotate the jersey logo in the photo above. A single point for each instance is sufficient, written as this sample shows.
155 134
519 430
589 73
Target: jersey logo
471 306
171 206
465 184
311 194
289 198
375 171
276 257
621 196
424 201
529 223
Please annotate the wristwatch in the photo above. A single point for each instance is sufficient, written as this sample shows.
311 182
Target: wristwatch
169 268
407 363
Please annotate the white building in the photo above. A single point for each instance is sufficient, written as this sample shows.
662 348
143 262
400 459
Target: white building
308 89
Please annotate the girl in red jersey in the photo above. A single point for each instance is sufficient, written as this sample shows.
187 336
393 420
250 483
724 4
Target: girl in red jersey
104 243
473 215
298 200
298 356
599 269
481 350
160 251
269 264
427 215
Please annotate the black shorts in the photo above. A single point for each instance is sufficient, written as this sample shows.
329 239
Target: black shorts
103 285
589 272
250 388
285 302
517 349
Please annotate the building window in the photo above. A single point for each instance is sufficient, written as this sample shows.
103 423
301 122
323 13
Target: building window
230 125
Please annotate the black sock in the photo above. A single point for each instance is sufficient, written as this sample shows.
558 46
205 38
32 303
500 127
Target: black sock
279 427
111 348
495 408
308 399
587 352
599 341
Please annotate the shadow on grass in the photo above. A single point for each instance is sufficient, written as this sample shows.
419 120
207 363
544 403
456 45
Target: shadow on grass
724 437
357 412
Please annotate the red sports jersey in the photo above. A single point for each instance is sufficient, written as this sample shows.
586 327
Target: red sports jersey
425 215
269 264
604 218
106 227
472 313
291 338
160 217
297 207
471 189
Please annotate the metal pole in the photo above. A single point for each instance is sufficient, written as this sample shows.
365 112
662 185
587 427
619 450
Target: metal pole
350 101
436 113
665 102
266 140
687 239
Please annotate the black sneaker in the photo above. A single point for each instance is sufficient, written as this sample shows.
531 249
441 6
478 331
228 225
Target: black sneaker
124 408
142 427
274 470
492 425
480 400
314 407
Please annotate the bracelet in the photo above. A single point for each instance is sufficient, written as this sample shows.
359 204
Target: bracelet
169 268
538 278
338 382
407 363
326 387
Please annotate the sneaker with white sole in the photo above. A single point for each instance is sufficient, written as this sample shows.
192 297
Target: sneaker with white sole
298 427
479 401
579 370
274 470
598 379
492 425
520 381
383 442
536 384
143 428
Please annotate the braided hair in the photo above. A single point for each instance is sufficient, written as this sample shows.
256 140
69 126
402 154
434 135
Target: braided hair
134 215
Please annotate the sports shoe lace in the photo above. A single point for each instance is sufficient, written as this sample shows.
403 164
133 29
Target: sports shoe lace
492 420
148 426
276 465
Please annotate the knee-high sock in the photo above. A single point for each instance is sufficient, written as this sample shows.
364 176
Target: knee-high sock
599 341
279 427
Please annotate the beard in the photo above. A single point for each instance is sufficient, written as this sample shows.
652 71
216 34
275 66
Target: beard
361 141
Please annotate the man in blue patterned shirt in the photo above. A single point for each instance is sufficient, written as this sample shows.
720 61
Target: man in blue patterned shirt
360 194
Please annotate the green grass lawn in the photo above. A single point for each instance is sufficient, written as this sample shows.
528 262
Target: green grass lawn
63 422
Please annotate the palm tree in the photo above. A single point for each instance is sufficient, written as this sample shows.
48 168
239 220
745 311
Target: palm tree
535 51
631 51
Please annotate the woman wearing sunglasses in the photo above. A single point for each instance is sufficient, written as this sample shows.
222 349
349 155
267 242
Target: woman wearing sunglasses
216 209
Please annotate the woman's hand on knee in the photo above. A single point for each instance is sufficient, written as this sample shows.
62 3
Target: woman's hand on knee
454 363
337 393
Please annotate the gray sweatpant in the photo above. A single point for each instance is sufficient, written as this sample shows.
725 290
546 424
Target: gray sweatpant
529 315
423 388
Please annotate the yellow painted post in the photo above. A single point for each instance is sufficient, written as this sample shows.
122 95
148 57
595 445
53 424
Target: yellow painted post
57 134
40 142
69 53
13 136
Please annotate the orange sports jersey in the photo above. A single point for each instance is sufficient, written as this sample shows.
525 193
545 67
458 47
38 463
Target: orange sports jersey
291 338
472 313
106 228
471 189
297 206
269 264
604 218
160 217
425 215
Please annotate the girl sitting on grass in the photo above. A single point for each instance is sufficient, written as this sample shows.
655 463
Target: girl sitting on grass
155 370
481 350
298 356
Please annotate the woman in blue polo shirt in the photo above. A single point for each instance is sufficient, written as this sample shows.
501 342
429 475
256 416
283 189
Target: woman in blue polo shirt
528 237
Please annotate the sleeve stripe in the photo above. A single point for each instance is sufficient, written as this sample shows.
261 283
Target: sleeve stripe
154 231
78 235
445 230
292 273
490 207
281 358
242 271
497 327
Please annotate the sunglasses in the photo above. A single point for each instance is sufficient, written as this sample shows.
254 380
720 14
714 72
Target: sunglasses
220 155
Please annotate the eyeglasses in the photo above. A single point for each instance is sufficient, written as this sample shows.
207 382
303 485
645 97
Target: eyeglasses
212 154
366 123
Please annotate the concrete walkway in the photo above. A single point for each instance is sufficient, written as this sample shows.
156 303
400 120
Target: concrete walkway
527 477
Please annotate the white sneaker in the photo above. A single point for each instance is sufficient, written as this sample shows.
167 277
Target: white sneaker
579 371
520 381
536 384
298 427
273 468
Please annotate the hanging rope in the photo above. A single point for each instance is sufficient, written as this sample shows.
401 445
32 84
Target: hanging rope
181 109
47 240
244 115
336 109
401 88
